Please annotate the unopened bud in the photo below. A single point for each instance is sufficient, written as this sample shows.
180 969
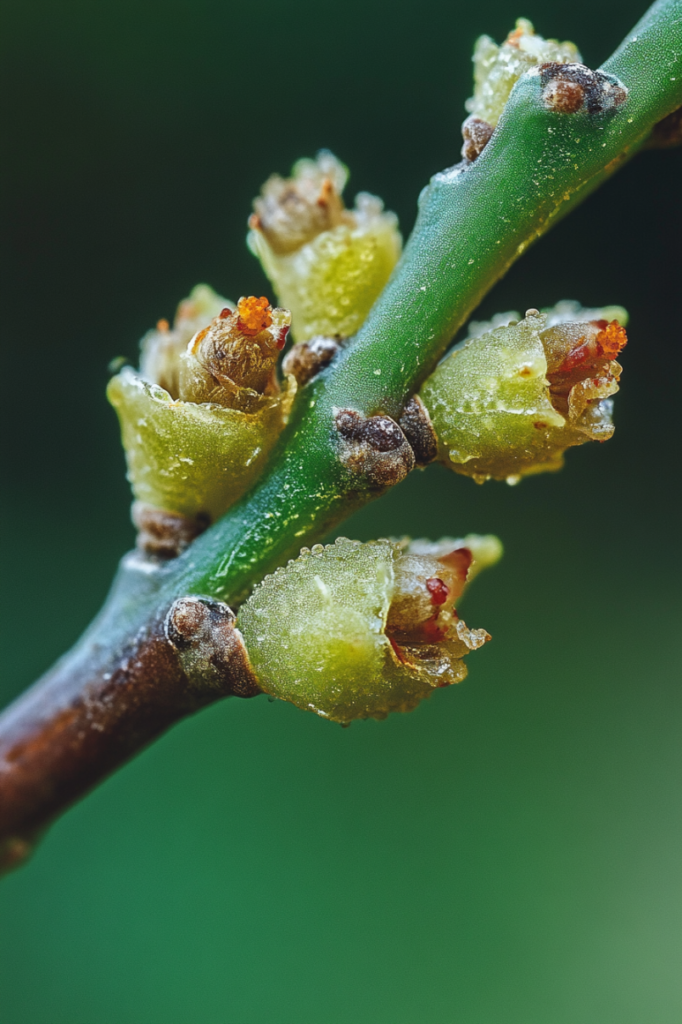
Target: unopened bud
200 418
498 68
232 361
327 264
568 88
358 630
476 134
510 402
162 348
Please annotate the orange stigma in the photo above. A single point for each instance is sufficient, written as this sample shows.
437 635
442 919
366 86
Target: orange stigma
612 339
254 315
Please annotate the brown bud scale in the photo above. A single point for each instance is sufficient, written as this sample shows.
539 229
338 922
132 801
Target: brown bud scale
165 534
374 447
210 647
476 134
415 423
305 360
568 88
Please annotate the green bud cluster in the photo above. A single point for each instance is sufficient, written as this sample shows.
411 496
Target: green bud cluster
356 630
327 264
511 398
200 417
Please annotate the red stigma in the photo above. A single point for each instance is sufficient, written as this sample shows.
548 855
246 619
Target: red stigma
438 590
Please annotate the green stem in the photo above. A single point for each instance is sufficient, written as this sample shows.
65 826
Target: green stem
472 225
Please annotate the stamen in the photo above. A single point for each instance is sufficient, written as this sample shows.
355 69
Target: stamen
254 315
611 339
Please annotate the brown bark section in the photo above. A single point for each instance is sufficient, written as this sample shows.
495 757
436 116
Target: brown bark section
91 714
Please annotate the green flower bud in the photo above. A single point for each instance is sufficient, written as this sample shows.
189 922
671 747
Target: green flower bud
161 349
327 264
357 630
509 402
199 419
498 68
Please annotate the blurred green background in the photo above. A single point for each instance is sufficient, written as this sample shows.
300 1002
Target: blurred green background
509 853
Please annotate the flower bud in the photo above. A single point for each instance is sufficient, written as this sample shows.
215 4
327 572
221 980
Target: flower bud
201 416
161 348
327 264
232 361
498 68
357 630
509 402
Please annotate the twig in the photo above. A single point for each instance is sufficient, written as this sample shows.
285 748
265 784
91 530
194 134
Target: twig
125 682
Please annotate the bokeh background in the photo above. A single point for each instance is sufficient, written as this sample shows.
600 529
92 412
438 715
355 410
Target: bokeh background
510 852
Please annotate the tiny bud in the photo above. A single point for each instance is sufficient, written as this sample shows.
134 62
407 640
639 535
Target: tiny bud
210 647
476 134
510 402
232 361
327 264
200 419
564 96
357 630
374 448
418 430
165 534
570 87
498 68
